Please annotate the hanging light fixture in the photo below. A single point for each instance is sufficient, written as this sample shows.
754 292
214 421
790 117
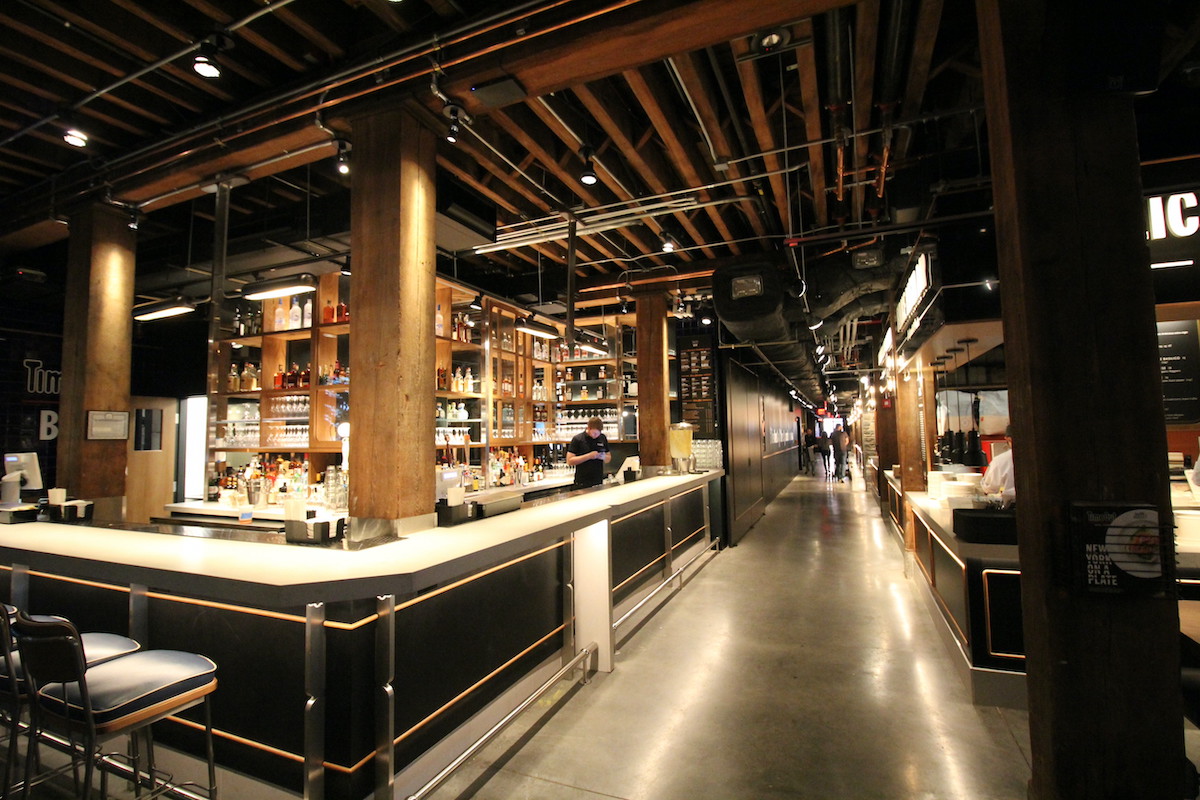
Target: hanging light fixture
343 157
588 176
477 303
280 287
171 307
668 243
973 455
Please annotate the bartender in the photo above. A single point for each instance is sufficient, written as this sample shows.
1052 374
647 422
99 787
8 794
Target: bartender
588 453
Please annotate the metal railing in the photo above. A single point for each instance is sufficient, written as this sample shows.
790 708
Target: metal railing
483 740
625 617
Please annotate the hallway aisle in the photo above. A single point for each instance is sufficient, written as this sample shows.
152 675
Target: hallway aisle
800 664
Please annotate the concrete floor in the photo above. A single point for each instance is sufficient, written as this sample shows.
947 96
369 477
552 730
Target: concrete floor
800 664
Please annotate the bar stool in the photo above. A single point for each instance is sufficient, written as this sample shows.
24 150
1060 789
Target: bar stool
93 704
98 647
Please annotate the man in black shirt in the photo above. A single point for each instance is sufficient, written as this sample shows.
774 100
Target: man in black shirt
588 453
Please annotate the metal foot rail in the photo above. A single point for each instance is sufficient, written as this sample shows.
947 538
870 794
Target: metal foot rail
479 743
625 617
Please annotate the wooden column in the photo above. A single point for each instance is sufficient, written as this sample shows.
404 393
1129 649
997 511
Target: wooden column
1080 346
927 387
654 405
392 338
97 339
908 436
886 443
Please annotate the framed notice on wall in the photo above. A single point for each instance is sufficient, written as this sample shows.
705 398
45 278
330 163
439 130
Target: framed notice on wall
1118 548
108 425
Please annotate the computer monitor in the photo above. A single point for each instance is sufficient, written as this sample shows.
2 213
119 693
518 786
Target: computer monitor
28 464
620 452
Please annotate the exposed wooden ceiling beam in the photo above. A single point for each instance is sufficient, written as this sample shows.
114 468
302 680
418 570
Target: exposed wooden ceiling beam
653 101
634 34
866 35
764 132
615 120
810 96
698 85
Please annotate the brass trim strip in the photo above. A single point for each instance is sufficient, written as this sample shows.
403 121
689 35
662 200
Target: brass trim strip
233 737
639 572
688 538
475 686
478 575
987 608
639 511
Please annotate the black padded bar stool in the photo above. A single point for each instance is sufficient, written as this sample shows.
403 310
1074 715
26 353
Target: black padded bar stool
92 704
98 647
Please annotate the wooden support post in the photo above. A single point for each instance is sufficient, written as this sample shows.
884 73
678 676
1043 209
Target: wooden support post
392 340
97 339
1085 402
908 435
654 405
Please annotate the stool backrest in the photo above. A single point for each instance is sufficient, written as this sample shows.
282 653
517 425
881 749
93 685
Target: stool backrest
51 650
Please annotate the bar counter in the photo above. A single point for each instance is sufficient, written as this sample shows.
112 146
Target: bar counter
322 651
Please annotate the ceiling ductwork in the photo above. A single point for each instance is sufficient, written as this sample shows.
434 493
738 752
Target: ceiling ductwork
754 304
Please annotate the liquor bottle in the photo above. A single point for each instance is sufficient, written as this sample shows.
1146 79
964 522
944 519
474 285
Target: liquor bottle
238 325
603 372
306 376
233 381
468 381
343 312
327 312
247 379
292 380
439 324
280 316
295 315
278 381
337 371
306 318
457 383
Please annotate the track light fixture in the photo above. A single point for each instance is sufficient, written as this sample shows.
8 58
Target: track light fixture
588 176
205 63
477 303
343 157
455 114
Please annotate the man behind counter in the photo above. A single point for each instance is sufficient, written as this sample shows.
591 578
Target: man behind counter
588 453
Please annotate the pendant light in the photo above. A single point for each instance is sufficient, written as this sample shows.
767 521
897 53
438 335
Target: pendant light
973 456
958 442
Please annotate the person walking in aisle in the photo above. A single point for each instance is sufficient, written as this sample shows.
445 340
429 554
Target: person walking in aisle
840 442
823 449
810 451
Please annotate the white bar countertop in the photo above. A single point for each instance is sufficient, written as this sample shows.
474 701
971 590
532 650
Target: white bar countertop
272 575
275 513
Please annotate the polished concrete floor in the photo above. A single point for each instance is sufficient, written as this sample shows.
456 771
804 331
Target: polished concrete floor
801 663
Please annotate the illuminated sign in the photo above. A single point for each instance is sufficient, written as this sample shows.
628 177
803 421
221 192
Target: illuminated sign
915 290
1172 220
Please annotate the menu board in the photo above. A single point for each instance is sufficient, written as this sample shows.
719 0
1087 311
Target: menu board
697 384
1179 363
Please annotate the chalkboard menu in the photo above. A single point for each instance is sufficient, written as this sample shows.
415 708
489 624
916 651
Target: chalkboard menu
697 384
1179 362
